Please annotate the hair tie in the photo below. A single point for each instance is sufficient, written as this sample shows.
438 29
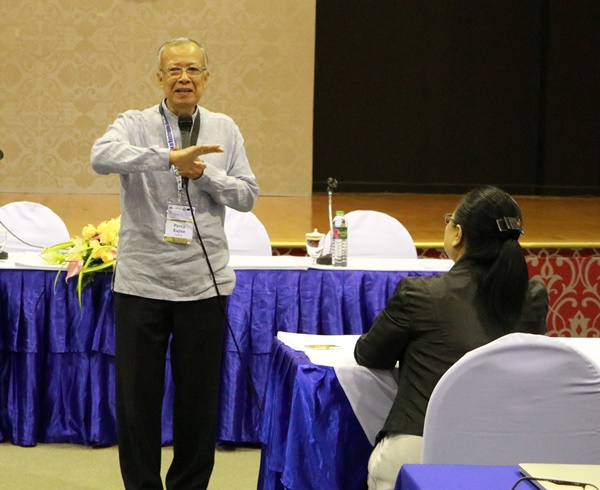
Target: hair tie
510 227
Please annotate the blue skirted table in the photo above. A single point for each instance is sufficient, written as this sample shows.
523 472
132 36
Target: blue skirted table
311 437
57 359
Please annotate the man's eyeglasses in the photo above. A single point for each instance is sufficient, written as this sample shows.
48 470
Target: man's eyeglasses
448 217
192 71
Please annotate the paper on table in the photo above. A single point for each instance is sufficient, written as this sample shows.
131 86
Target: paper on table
340 355
323 346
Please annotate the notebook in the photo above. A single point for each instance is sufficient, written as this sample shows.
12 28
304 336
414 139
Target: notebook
581 473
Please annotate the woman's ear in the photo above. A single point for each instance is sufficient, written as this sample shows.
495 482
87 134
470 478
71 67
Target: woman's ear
458 236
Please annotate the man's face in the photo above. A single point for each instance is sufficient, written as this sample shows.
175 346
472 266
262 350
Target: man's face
182 76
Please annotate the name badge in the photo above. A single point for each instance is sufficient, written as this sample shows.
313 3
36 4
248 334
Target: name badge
180 224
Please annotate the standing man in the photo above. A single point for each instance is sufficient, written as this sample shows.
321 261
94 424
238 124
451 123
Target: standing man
169 283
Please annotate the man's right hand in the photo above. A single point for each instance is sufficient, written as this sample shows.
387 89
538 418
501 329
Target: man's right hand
188 162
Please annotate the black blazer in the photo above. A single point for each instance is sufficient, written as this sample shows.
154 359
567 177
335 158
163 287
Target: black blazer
428 325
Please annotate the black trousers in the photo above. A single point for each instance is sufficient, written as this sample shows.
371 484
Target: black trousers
143 329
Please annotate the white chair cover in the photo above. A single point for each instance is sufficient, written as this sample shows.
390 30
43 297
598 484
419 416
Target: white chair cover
246 235
376 234
33 223
521 398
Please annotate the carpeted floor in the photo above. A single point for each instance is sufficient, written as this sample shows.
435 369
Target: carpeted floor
72 467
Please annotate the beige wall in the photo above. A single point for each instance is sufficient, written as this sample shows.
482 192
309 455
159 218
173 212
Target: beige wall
70 66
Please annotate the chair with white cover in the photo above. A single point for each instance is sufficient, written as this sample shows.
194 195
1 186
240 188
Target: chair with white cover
376 234
521 398
33 223
246 235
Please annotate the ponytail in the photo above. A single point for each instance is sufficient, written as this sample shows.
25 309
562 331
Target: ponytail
504 285
491 223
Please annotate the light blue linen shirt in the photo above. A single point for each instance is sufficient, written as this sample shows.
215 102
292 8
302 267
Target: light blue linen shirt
135 146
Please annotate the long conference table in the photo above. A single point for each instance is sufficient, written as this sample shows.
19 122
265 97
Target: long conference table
57 363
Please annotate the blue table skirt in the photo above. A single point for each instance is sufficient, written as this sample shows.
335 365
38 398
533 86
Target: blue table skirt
311 438
460 477
57 360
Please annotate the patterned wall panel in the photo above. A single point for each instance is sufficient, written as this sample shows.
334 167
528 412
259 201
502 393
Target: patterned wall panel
572 277
69 67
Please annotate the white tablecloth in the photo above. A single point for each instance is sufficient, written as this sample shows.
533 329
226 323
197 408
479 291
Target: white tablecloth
32 260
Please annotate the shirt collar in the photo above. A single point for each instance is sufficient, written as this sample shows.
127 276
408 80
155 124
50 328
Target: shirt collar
172 116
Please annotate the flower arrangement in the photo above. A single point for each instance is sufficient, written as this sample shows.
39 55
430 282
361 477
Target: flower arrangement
95 250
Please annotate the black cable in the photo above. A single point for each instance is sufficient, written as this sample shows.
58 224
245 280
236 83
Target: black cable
556 482
22 241
220 298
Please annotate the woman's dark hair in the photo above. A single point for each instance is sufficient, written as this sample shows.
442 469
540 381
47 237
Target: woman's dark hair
491 223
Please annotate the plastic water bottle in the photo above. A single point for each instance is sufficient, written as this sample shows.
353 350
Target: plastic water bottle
340 240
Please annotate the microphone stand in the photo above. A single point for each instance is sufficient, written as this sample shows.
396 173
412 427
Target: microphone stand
331 184
330 195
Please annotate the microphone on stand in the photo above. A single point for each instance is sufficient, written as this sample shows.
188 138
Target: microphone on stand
331 185
185 122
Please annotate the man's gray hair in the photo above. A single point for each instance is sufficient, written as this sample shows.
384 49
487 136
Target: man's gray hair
176 42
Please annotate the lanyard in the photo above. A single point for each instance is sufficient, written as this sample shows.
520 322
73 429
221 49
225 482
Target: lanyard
171 139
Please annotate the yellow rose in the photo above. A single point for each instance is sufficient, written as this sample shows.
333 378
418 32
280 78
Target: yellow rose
89 231
108 236
108 254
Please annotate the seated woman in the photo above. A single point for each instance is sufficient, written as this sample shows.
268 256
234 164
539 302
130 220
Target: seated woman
431 322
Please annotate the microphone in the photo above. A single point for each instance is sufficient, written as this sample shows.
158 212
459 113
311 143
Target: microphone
331 184
185 127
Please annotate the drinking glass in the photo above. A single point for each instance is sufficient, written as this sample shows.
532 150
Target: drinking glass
315 242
